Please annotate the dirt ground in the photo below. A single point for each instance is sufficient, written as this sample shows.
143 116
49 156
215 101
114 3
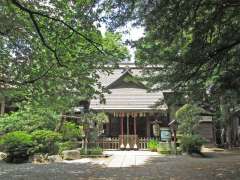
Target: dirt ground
216 165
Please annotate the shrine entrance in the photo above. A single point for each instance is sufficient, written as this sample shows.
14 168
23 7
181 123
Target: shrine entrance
133 128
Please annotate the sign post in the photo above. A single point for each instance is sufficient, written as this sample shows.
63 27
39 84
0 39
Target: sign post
173 126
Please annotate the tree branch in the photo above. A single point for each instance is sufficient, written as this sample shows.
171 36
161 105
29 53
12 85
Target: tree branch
223 48
228 46
20 6
30 81
44 41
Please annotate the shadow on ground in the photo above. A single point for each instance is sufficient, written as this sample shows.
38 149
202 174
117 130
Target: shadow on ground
224 165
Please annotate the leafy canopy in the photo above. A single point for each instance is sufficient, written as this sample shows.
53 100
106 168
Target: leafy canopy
195 42
51 51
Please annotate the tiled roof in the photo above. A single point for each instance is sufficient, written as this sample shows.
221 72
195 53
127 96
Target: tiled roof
127 97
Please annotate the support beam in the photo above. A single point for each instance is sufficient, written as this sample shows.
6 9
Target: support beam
122 143
128 145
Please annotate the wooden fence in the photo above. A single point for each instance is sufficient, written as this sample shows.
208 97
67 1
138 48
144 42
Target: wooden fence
142 142
107 143
114 143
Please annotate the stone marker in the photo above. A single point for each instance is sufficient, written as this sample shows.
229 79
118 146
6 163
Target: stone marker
71 154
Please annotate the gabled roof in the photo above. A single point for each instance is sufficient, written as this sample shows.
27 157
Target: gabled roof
127 95
107 79
126 77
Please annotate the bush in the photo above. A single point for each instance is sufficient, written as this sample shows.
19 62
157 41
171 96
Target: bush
46 141
29 120
96 151
68 145
71 131
18 145
192 143
92 151
164 148
152 145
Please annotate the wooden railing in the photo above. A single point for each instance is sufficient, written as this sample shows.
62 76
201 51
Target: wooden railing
114 143
142 142
107 143
131 140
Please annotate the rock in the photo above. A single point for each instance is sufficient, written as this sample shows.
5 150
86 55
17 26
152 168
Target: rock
3 156
39 158
71 154
55 158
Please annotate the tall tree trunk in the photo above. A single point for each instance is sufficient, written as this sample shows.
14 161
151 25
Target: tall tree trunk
227 121
61 122
228 133
235 130
2 106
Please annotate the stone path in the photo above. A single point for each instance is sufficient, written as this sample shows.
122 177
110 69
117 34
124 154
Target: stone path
119 159
129 158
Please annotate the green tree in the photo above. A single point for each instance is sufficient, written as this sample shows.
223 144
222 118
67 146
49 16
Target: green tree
29 120
192 40
188 117
52 52
92 126
71 131
193 45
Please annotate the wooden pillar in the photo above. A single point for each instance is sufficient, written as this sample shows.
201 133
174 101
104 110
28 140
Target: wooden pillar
127 124
122 143
128 145
148 126
175 140
134 123
110 125
122 116
135 130
107 129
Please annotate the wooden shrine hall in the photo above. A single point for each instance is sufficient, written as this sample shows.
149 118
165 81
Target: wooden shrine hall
132 110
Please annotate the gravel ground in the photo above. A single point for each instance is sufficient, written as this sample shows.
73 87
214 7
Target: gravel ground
224 165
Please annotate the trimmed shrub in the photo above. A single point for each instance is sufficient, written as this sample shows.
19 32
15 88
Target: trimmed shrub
96 151
92 151
18 145
152 145
192 143
68 145
71 131
46 141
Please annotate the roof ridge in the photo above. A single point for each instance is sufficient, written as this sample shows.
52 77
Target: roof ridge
126 71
